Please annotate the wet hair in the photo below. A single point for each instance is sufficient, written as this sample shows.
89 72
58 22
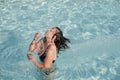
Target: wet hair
61 41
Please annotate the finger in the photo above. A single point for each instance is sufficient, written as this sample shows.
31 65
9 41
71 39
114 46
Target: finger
39 33
29 55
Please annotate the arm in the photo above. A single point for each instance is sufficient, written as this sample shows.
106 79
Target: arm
31 57
48 60
51 55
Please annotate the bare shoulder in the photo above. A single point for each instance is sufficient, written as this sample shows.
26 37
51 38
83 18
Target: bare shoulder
51 49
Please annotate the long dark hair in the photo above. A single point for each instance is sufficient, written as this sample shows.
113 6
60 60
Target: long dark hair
61 41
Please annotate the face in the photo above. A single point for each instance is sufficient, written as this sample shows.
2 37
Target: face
54 30
49 33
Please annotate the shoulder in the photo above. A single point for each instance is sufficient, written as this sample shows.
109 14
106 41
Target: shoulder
52 46
51 49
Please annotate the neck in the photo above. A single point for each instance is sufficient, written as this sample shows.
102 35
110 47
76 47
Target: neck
48 43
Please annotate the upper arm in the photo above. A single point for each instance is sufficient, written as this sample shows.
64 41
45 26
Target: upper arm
49 57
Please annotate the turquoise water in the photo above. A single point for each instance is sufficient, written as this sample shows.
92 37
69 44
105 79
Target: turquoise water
93 26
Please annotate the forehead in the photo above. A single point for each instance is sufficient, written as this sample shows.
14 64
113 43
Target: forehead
54 28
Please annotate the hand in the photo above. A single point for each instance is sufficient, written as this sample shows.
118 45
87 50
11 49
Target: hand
37 35
53 39
30 56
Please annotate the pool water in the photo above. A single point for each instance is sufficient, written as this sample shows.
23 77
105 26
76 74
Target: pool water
93 26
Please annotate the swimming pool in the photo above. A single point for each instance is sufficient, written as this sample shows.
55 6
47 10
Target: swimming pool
93 27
